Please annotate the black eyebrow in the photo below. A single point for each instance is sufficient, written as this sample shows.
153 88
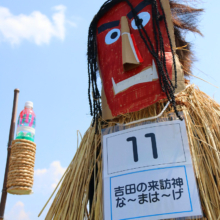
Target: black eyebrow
112 24
108 25
139 7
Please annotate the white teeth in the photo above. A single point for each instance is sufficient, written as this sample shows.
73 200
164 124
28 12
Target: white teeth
147 75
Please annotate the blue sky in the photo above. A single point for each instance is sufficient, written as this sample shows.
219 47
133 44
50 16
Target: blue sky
43 46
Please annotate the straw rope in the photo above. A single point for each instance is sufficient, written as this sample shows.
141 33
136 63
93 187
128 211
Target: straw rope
19 175
23 178
202 117
21 167
20 190
22 163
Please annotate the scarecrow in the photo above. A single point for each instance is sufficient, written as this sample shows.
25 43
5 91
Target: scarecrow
138 49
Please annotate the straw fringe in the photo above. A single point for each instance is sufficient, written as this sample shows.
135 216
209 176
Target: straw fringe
202 116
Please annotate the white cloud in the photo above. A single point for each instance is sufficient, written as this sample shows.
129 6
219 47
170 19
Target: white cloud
17 212
36 27
46 179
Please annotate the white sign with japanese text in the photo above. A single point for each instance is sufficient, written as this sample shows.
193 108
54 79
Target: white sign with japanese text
148 173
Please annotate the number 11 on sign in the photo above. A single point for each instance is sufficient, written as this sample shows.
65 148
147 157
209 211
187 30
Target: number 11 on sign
135 148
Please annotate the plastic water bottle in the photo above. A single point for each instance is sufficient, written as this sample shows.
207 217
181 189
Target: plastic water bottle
26 123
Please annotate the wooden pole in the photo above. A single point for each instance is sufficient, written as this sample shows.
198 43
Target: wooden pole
10 139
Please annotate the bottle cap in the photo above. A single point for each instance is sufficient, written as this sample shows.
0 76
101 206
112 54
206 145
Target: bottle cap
29 104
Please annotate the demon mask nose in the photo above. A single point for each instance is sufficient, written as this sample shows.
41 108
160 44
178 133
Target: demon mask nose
130 54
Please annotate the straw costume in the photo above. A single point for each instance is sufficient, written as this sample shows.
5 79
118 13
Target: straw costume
81 185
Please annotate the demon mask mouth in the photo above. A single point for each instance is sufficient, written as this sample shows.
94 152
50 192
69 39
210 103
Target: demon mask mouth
147 75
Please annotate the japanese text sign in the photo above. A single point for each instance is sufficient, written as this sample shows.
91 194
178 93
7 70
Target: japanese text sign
148 173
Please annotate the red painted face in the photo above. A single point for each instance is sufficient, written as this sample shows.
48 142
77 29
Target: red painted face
128 70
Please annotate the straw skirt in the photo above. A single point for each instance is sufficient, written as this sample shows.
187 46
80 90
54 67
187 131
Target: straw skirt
202 117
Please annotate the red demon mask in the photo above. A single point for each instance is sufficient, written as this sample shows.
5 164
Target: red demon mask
127 67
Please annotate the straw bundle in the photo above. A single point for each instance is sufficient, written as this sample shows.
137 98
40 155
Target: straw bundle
202 116
21 167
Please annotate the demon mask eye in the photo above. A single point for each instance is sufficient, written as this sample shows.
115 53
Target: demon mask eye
144 18
112 36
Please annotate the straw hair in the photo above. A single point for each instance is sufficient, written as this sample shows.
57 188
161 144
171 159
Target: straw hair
21 167
202 117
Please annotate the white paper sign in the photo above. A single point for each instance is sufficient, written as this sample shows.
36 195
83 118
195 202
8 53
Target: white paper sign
148 173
